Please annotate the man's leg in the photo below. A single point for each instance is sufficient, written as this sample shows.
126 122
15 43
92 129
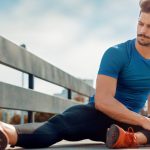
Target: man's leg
76 123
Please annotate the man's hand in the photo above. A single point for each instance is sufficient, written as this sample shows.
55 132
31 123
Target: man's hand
146 123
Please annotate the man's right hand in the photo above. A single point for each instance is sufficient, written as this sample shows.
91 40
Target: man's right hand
145 123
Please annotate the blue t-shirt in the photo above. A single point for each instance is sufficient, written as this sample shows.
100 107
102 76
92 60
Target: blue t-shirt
132 72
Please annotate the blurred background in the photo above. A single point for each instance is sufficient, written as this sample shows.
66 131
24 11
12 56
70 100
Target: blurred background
70 34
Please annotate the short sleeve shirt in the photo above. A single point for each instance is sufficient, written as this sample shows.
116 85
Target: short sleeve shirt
132 72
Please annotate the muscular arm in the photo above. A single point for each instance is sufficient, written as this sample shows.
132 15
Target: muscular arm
105 102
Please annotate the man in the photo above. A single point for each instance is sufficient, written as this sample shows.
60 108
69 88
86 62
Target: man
112 116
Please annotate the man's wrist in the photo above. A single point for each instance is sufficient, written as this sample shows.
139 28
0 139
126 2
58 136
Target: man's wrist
140 120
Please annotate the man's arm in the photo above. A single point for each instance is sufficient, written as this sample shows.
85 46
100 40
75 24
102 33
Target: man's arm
105 102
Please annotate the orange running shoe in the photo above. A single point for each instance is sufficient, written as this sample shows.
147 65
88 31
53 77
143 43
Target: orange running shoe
118 138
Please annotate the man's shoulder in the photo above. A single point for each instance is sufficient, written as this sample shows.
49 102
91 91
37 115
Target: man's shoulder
115 59
123 49
125 46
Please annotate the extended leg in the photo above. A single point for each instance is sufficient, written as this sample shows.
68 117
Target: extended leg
76 123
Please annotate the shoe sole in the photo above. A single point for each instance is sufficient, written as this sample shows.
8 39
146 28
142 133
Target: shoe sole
3 141
112 136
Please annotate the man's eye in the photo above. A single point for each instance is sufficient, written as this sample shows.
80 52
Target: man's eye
140 23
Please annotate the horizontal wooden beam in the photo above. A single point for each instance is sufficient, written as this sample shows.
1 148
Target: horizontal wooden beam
13 97
18 58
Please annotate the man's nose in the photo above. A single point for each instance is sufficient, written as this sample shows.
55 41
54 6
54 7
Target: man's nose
143 30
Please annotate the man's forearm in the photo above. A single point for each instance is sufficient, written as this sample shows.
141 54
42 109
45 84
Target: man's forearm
116 110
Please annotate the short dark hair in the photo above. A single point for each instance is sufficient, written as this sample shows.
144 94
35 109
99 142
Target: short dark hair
145 6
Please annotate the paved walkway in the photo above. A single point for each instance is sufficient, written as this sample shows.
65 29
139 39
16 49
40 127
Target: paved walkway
82 145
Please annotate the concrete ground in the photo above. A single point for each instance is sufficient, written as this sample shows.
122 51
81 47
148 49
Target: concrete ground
81 145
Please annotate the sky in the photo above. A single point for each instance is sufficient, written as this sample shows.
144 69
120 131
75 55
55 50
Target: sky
70 34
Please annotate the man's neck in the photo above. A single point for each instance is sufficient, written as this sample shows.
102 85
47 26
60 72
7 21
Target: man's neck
143 50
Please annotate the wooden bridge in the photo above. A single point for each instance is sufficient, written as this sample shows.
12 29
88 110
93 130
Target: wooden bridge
18 98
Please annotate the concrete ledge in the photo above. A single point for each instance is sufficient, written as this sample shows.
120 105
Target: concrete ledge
81 145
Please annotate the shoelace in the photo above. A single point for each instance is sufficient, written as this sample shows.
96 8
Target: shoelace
131 138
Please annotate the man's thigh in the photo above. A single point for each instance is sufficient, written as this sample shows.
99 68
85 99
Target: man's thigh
83 122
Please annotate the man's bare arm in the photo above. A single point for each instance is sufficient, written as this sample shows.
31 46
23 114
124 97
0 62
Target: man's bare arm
105 102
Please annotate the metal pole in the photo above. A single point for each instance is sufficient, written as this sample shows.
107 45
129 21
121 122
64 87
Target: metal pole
69 94
31 86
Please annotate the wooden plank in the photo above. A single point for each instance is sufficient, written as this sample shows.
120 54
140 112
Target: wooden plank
13 97
20 59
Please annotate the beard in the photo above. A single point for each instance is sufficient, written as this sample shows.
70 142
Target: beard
145 41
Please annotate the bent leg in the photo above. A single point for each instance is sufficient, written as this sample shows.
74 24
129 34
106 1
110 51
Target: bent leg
85 122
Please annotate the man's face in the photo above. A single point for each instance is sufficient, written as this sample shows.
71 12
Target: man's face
143 29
